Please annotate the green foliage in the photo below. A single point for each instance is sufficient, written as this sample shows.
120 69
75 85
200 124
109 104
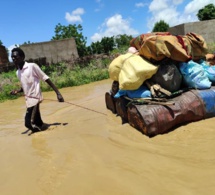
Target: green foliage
107 44
58 68
81 76
122 40
1 42
120 50
105 63
77 76
206 13
9 81
96 48
110 44
161 26
61 76
75 31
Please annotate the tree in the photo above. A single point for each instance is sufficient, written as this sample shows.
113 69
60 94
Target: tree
123 40
206 13
75 31
96 47
107 44
1 42
161 26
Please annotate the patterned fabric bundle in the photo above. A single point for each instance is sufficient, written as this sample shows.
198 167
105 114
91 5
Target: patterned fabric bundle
157 46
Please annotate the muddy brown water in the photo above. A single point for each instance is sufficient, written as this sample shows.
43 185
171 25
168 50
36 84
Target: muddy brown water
95 154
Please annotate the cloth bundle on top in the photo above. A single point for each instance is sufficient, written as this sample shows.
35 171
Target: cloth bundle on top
116 65
131 71
157 46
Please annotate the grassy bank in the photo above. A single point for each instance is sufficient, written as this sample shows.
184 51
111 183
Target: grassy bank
62 75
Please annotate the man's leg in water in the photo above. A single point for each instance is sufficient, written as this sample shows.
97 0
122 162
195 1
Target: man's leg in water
36 120
33 119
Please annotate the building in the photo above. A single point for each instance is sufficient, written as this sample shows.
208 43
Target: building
51 52
203 28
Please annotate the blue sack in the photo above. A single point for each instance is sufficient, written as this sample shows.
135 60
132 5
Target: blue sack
141 92
209 70
194 75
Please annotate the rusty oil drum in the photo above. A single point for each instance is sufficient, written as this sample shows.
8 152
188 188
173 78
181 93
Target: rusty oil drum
207 96
110 102
152 120
121 108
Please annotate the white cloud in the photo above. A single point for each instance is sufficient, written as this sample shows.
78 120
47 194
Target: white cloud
140 4
157 5
195 5
169 11
96 37
78 11
113 26
75 16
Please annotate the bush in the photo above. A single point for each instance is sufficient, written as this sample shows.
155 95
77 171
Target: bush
61 74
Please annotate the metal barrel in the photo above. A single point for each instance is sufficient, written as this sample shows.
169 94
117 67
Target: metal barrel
207 97
121 108
110 102
152 120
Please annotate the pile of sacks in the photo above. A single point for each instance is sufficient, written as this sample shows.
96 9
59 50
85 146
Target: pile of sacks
165 61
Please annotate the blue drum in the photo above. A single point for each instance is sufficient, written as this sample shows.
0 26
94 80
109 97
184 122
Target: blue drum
207 96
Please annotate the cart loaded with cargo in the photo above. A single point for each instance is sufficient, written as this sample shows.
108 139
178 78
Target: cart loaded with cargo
162 82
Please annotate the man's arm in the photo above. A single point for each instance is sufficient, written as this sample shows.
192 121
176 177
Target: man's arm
59 96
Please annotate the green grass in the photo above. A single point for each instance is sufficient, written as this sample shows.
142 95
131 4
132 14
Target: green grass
62 75
77 76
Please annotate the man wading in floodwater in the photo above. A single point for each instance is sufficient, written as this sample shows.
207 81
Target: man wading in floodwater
30 76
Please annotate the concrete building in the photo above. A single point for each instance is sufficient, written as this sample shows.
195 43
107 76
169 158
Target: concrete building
204 28
51 51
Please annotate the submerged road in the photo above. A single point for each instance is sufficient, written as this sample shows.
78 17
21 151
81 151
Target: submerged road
87 150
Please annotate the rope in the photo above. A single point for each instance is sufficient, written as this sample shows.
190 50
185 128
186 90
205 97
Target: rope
71 104
79 106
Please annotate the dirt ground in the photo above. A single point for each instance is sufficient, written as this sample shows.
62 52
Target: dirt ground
87 150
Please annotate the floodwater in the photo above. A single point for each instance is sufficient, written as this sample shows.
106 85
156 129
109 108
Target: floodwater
87 150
